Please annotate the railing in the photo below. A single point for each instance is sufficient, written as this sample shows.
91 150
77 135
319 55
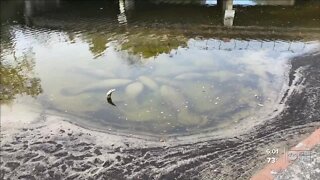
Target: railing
232 44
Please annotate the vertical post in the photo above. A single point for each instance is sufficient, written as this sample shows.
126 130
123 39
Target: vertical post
229 13
219 3
28 11
122 18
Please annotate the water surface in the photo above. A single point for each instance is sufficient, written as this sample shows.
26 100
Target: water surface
176 67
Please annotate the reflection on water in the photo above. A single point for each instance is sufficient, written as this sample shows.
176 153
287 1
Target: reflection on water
17 78
174 66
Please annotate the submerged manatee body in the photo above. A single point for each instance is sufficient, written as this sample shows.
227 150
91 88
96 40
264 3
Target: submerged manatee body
176 100
134 89
151 84
172 97
102 85
189 118
188 76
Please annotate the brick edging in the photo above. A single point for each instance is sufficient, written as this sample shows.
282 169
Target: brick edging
283 162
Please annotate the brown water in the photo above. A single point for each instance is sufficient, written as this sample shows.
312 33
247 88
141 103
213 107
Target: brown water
176 66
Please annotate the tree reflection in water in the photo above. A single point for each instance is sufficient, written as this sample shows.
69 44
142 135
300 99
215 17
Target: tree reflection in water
17 78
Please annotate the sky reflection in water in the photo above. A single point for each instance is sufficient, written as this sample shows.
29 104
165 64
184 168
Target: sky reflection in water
168 78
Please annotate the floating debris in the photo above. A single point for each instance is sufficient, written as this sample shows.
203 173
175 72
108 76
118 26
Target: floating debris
108 95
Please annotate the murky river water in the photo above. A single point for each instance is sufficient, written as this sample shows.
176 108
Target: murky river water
176 67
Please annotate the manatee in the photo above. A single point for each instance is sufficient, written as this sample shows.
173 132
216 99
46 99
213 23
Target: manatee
171 96
101 85
97 73
139 114
201 95
188 118
222 75
188 76
165 80
134 89
148 82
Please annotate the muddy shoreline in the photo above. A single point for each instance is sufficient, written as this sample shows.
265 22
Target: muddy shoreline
55 149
